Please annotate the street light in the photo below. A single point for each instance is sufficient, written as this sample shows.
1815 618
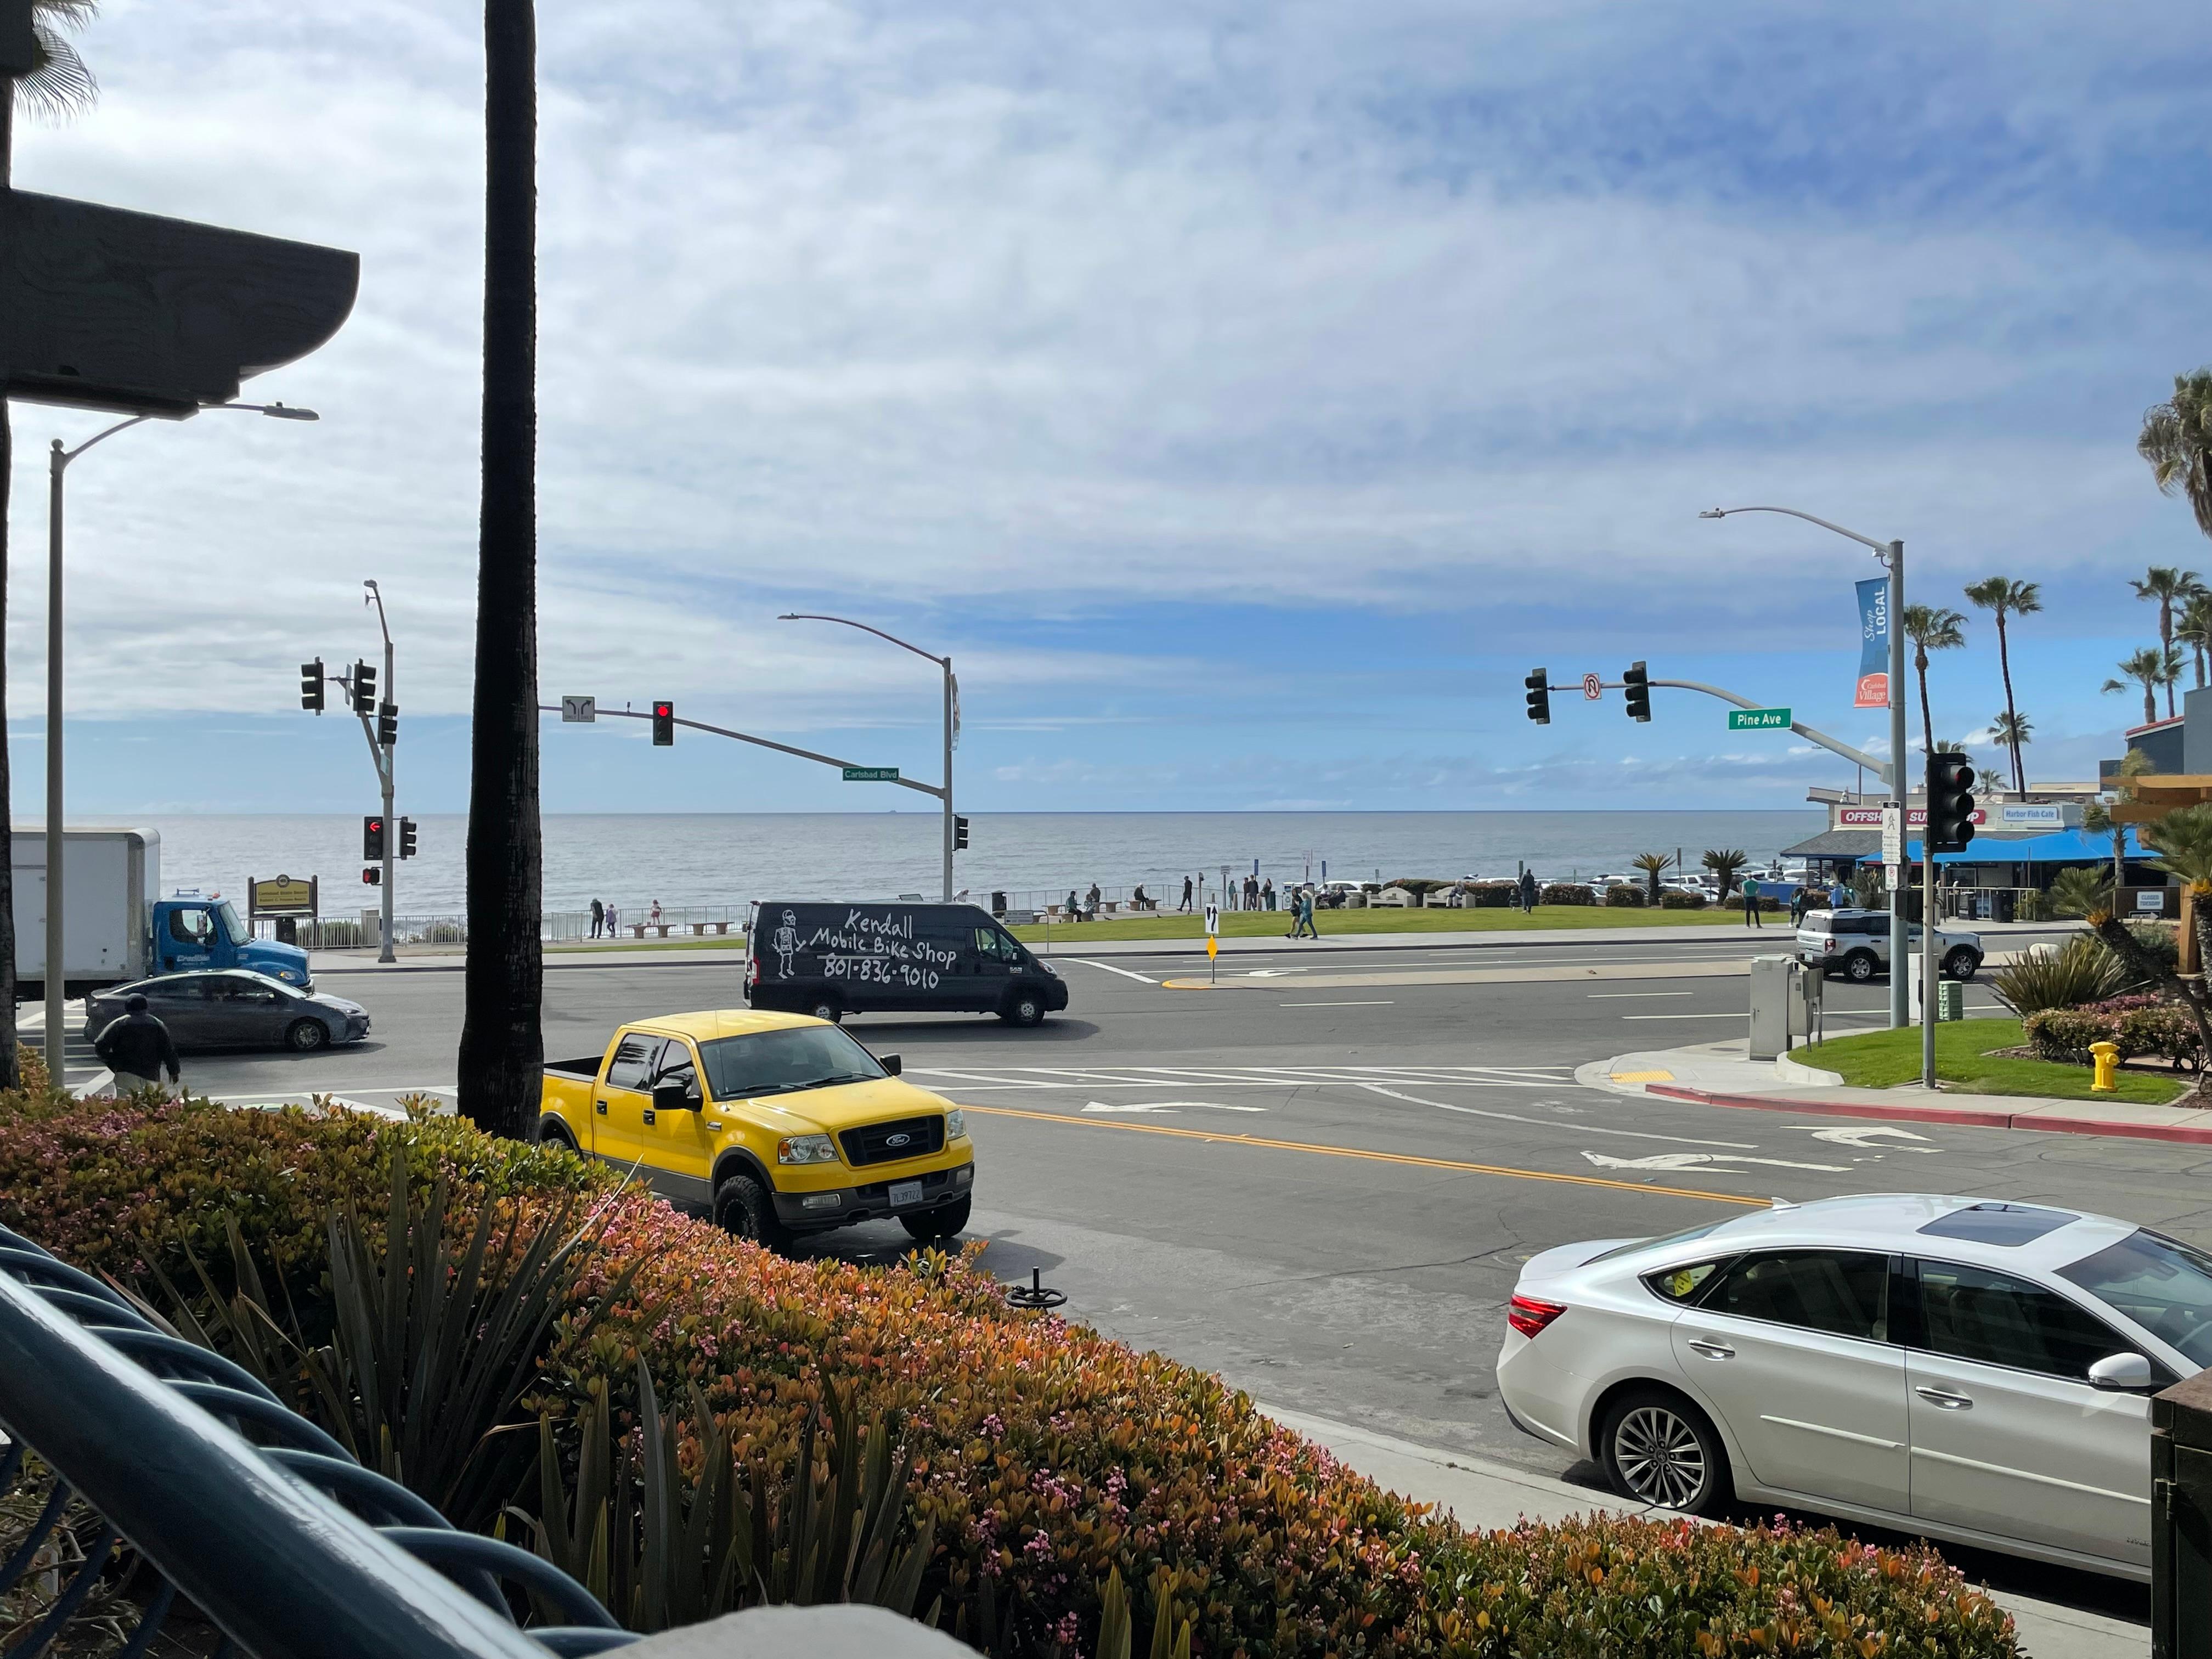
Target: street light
383 759
57 460
1892 557
951 712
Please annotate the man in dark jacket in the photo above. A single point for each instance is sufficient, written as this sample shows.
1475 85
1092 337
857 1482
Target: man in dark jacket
137 1049
1528 886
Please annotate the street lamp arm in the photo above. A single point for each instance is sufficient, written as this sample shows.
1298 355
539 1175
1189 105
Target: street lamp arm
277 412
1791 512
1857 757
64 456
808 616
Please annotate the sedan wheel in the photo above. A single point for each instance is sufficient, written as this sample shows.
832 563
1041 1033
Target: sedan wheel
1659 1451
306 1036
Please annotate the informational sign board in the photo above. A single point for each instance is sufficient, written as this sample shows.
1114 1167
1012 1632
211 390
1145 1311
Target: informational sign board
1873 689
1893 836
1212 919
2026 815
1871 817
1594 688
284 897
872 775
2151 899
579 711
1758 720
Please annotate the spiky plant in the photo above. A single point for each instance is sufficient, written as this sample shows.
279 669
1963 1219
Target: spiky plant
1654 866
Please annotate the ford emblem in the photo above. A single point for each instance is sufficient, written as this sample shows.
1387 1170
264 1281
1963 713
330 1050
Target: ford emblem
897 1140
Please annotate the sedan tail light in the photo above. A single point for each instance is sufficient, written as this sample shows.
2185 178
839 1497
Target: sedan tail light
1528 1316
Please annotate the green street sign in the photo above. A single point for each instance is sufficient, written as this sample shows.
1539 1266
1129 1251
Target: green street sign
1758 720
872 775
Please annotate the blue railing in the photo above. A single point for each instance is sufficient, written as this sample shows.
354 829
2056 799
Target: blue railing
291 1549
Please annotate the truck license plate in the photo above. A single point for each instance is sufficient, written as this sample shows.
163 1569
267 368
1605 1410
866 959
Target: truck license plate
906 1191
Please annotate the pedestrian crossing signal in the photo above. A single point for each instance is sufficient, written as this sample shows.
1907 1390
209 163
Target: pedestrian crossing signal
373 877
311 686
664 724
959 834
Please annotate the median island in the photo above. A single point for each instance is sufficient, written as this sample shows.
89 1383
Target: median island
1975 1056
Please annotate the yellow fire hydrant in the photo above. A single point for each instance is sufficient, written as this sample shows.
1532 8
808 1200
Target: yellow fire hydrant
2105 1056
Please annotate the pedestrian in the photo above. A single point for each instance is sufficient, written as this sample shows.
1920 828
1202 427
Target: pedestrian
598 917
137 1049
1184 907
654 914
1267 894
1839 897
1074 909
1800 901
1090 903
1528 886
613 922
1751 903
1306 929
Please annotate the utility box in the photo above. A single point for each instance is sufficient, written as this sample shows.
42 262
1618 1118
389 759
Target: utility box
1779 1008
1950 999
2181 1520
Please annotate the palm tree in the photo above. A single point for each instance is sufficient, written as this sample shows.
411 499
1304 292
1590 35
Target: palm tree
1724 862
1931 628
2194 630
2000 595
2009 731
2169 674
2097 817
2170 586
40 70
1654 866
2147 667
503 1042
2177 441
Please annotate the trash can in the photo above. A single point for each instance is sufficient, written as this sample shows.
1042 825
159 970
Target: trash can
997 902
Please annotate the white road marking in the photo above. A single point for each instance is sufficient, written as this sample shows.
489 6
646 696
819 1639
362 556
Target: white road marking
1686 1016
1871 1138
1680 1160
1544 1123
1142 978
1168 1106
1337 1005
1622 996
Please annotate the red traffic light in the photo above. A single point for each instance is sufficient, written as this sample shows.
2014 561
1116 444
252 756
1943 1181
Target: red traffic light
663 722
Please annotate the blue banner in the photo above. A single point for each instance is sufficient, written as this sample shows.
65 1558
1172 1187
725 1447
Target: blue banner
1873 643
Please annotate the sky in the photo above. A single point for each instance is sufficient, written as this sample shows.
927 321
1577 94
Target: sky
1245 396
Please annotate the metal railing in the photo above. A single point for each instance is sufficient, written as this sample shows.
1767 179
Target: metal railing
291 1549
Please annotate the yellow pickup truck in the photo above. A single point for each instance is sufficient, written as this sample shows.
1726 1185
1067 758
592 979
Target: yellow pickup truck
775 1124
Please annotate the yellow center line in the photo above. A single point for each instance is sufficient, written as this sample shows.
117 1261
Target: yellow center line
1371 1157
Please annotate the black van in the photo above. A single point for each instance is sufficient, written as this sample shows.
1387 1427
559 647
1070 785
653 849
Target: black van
831 960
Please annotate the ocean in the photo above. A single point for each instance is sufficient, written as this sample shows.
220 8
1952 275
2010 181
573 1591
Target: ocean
707 862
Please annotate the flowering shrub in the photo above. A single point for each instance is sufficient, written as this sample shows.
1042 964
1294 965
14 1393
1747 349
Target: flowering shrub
1681 898
1493 895
2141 1024
1567 892
1045 1456
1623 896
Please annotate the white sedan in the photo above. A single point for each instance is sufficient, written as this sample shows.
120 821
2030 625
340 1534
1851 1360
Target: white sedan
1965 1369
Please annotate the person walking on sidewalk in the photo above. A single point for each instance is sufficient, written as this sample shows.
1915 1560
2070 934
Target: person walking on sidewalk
1527 888
598 917
1751 903
1184 907
611 920
1306 929
137 1049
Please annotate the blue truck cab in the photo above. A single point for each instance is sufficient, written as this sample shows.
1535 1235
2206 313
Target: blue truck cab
191 931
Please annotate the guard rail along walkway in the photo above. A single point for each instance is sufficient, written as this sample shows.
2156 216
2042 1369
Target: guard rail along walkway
291 1548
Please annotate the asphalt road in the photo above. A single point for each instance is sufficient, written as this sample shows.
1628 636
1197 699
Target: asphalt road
1320 1179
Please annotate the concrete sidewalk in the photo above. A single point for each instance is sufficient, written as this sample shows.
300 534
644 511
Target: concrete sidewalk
1486 1496
1721 1074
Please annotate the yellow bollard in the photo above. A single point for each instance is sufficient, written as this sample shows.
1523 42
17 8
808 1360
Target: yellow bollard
2105 1056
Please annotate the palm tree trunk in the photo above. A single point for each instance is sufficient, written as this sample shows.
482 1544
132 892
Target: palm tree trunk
1927 716
2165 650
502 1051
8 1071
2011 714
2150 703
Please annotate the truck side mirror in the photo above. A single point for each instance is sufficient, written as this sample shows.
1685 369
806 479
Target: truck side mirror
891 1063
674 1094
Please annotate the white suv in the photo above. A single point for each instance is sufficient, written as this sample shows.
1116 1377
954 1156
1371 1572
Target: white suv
1855 943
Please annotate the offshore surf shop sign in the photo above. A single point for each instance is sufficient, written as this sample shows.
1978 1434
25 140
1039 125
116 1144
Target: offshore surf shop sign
865 945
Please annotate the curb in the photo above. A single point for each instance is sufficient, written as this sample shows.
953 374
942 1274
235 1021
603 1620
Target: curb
1961 1117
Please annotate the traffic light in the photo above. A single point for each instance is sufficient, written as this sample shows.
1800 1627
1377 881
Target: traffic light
1950 803
372 839
959 834
1637 683
373 876
387 724
664 724
311 685
406 838
1539 695
364 689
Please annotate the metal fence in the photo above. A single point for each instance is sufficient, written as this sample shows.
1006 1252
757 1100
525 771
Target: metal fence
130 1446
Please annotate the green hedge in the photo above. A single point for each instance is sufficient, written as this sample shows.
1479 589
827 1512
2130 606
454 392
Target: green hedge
1047 1455
2138 1026
1567 892
1622 896
1678 898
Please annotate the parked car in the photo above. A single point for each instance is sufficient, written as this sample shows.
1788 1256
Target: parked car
1855 943
235 1008
831 960
1970 1369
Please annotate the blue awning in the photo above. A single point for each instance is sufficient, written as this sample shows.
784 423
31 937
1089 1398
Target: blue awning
2059 846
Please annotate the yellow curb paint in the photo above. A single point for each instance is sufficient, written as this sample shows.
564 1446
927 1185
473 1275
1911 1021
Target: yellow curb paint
1643 1077
1366 1156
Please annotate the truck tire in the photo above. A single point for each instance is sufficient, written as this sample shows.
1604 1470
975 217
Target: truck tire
743 1209
826 1007
306 1035
1860 966
1024 1008
551 1132
943 1222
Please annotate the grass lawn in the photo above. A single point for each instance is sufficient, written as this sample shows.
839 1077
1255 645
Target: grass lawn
1260 924
1881 1059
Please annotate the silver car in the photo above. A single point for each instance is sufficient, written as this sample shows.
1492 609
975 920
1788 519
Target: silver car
235 1009
1856 944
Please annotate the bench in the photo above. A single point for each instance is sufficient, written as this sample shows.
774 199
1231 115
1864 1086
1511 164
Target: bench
699 928
637 928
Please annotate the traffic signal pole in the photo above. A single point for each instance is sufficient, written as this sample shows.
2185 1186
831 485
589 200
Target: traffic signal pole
381 754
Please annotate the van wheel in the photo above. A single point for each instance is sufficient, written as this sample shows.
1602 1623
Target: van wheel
1962 964
1024 1008
743 1209
1860 967
827 1008
943 1222
1658 1449
306 1036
